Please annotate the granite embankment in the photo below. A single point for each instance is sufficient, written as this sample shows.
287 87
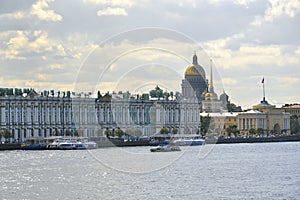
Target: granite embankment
288 138
118 143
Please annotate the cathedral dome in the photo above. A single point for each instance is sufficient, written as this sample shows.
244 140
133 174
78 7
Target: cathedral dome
192 71
195 69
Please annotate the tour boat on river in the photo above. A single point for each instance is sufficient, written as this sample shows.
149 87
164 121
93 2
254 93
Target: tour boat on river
72 143
177 139
166 148
34 143
189 141
58 143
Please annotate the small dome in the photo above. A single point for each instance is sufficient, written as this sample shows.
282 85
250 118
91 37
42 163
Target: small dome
210 95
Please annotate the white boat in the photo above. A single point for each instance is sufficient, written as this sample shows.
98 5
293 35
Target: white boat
166 148
53 142
86 145
67 145
188 140
72 143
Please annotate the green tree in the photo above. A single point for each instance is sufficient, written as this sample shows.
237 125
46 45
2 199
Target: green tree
235 130
108 133
295 125
119 132
228 131
76 133
252 131
233 108
232 129
164 130
174 131
166 95
6 134
68 133
156 93
56 132
172 95
204 126
260 131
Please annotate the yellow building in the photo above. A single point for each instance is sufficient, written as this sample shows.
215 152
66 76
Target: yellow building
220 122
251 119
277 120
264 119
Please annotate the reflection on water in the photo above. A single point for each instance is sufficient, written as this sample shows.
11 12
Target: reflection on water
230 171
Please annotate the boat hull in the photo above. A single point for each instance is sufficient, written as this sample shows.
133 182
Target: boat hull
165 149
189 142
33 147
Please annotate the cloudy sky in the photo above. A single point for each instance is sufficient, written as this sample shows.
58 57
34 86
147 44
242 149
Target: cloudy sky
89 45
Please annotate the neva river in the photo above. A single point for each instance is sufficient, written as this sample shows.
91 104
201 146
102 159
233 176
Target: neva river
228 171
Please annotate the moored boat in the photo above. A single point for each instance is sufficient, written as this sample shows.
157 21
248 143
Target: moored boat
177 139
34 144
189 142
67 145
71 143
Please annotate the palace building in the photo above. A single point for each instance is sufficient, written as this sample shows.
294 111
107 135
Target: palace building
30 114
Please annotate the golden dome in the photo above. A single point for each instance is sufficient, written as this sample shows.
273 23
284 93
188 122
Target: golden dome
211 95
194 70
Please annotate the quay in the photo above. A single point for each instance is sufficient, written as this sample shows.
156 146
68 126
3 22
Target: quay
119 143
15 146
288 138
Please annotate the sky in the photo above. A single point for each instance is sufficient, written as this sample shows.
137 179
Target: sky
120 45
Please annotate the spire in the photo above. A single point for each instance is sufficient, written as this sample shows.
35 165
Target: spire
211 84
195 59
264 92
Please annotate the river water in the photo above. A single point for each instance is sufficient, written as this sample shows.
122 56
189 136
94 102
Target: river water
223 171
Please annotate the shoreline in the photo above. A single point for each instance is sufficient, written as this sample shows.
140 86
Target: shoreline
288 138
105 144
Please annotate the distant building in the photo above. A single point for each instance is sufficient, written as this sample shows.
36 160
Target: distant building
264 119
220 122
293 109
211 103
277 121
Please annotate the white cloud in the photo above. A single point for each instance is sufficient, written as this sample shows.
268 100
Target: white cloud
115 3
40 9
229 81
112 11
241 2
249 54
15 15
11 54
19 41
26 42
55 66
112 7
277 9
